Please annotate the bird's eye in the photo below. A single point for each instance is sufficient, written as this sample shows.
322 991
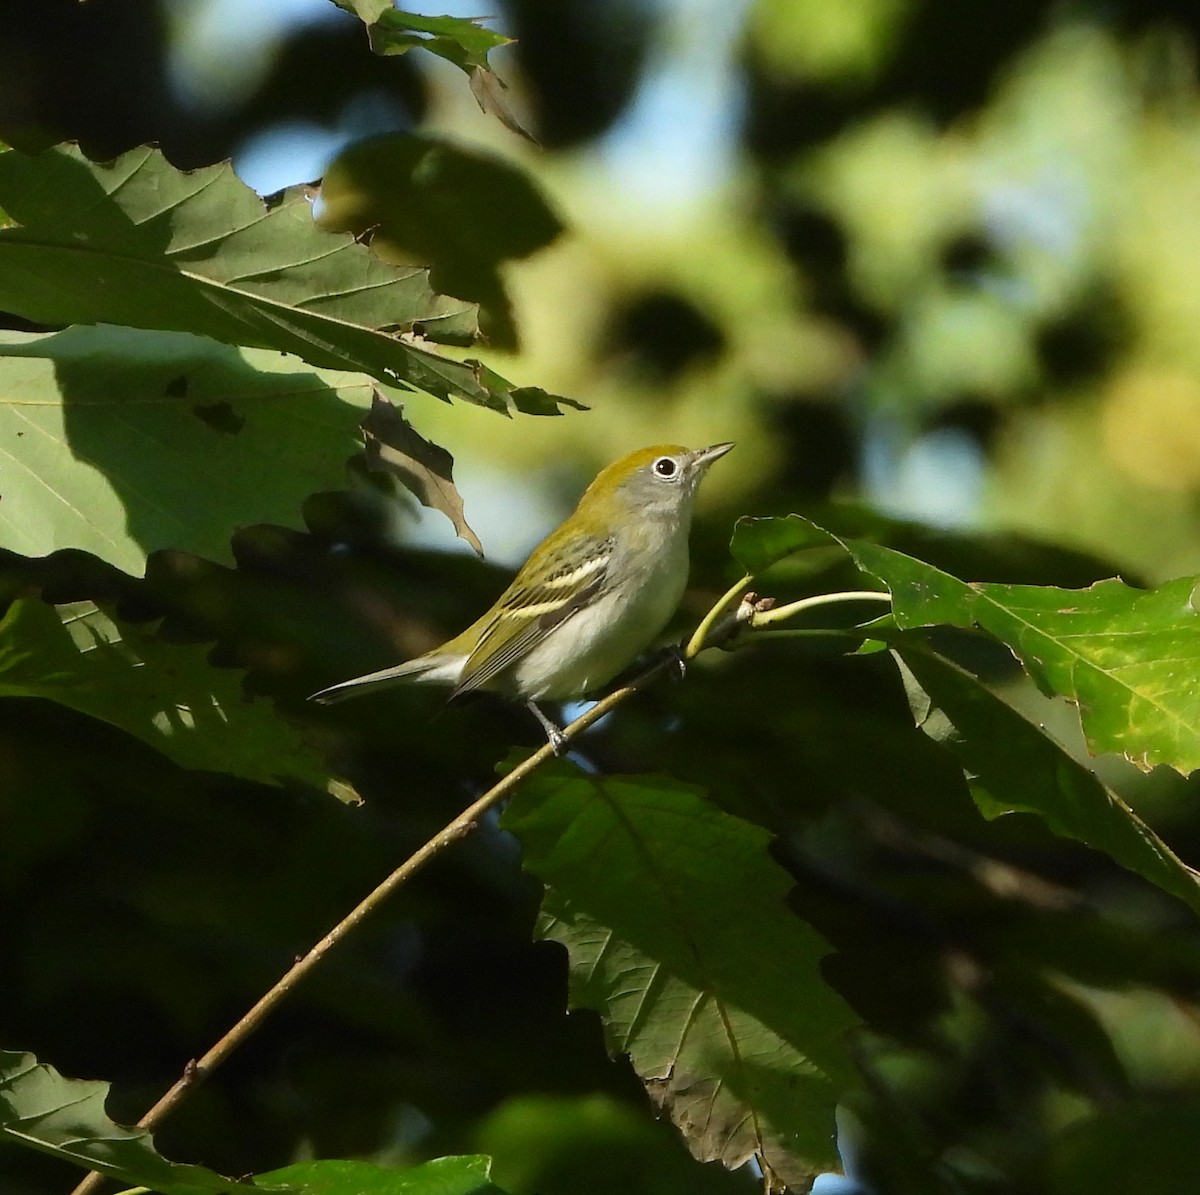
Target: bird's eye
665 466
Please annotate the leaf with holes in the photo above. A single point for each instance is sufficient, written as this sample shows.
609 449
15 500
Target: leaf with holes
138 243
674 920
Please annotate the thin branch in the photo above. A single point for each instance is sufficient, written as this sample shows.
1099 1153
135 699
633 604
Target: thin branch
460 827
199 1069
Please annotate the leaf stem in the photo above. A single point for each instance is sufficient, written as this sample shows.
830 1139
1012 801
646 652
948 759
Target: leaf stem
762 618
700 636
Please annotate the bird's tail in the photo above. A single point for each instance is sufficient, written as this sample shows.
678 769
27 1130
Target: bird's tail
428 667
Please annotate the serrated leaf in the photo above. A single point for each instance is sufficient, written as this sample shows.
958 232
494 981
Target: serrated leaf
65 1118
138 243
466 1175
1128 658
1012 765
673 916
395 447
166 695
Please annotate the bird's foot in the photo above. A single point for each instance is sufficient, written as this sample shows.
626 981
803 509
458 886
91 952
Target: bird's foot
556 738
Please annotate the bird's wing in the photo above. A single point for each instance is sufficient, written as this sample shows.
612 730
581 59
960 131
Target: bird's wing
526 614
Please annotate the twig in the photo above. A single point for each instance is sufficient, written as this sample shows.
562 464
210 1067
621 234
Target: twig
199 1069
751 611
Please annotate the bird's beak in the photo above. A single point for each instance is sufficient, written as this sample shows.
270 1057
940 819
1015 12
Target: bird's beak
703 457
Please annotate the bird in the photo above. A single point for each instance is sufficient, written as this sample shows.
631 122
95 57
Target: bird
595 593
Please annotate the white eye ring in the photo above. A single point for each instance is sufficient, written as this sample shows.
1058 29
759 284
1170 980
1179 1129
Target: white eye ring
665 466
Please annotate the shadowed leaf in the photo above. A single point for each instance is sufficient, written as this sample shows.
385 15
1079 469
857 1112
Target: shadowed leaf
462 212
66 1119
166 695
673 916
1013 765
395 447
121 441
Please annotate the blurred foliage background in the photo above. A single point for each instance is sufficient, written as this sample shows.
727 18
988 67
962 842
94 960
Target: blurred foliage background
934 256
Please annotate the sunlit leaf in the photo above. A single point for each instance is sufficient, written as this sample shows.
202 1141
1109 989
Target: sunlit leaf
1128 658
468 1175
459 40
168 696
139 243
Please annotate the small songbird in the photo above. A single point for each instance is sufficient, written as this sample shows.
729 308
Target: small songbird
592 595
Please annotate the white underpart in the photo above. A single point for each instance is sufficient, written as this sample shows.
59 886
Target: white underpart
606 635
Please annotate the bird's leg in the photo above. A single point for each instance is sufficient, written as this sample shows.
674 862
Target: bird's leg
557 739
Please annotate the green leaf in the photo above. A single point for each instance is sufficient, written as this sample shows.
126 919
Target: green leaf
119 441
1151 1143
168 696
1012 765
1128 658
459 40
66 1119
139 243
759 543
467 1175
673 915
